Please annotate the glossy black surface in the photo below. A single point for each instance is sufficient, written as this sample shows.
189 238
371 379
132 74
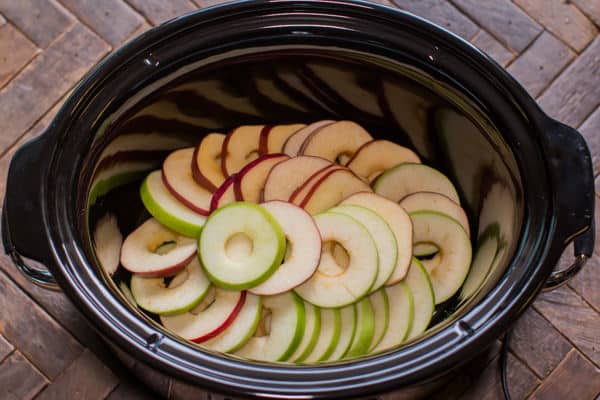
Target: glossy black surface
471 120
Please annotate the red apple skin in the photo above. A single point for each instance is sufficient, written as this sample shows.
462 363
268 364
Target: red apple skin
168 271
318 183
198 177
224 152
237 185
310 181
263 142
356 152
182 199
227 185
226 323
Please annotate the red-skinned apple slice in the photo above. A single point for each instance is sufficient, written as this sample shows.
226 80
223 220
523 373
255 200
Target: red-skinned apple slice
423 201
251 179
206 163
225 194
239 148
303 248
293 143
331 189
153 250
300 193
289 175
335 141
377 156
212 316
178 179
273 137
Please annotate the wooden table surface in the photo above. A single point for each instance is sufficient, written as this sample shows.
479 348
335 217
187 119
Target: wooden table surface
47 351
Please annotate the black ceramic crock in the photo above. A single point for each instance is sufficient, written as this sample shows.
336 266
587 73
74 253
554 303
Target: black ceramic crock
546 165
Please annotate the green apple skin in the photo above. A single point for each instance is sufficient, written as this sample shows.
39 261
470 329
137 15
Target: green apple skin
365 327
313 336
327 337
487 248
381 315
347 331
418 281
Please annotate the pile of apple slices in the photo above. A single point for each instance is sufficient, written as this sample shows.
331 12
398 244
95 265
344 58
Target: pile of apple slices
296 243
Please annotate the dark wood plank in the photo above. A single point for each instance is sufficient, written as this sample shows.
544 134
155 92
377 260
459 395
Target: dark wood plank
5 348
481 361
590 129
131 390
87 378
442 13
453 390
563 19
504 20
41 20
113 20
522 381
158 11
589 7
574 318
493 48
541 63
33 332
15 52
575 93
181 390
538 343
26 98
19 379
574 378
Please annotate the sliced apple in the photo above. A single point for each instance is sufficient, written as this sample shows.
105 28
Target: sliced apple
342 138
167 209
420 287
487 247
225 193
287 176
292 145
206 162
177 178
240 246
381 316
152 250
303 248
401 317
377 156
282 323
239 148
127 293
348 329
331 189
328 336
382 235
251 179
107 243
184 292
215 313
449 268
331 285
301 191
430 201
241 329
365 328
398 221
273 137
409 178
312 327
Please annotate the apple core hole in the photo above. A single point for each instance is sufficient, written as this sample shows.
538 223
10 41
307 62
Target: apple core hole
253 155
343 158
264 325
239 246
208 301
340 259
178 279
162 247
288 250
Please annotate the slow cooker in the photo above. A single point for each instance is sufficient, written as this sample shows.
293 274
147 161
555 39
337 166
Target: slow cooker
251 62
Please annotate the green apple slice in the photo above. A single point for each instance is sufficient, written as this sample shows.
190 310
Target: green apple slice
482 261
167 209
332 285
241 245
153 250
401 317
381 316
303 250
408 178
312 327
450 266
282 328
398 221
382 235
425 249
430 201
184 292
420 287
240 330
347 331
327 337
365 328
127 293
